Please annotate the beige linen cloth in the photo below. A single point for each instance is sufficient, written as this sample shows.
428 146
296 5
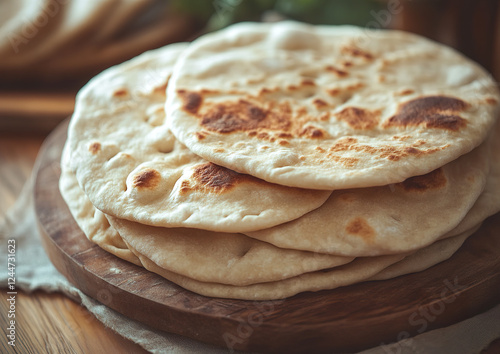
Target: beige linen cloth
34 271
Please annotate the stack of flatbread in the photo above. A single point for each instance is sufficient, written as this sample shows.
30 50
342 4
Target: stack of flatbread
57 40
265 160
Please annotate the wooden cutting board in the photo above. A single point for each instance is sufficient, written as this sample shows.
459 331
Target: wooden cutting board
346 319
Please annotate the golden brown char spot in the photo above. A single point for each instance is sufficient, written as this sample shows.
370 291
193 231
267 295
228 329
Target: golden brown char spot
313 132
241 115
405 92
345 161
319 103
356 52
333 92
392 153
146 179
324 117
381 78
361 228
94 147
192 101
162 89
355 86
492 101
200 136
320 149
432 112
219 150
302 158
401 138
308 82
432 180
336 71
120 92
347 63
266 91
212 178
359 118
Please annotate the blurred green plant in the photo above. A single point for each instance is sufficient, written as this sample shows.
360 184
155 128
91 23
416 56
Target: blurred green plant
221 13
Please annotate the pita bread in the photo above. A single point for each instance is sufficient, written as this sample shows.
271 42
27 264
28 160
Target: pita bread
208 263
425 257
357 271
391 219
488 202
91 221
198 254
328 107
381 268
130 165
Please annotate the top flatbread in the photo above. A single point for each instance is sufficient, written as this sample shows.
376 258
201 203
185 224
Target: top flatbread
130 165
328 107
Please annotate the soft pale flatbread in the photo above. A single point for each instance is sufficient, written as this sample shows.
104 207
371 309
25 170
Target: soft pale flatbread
357 271
131 166
198 254
328 107
426 257
381 268
391 219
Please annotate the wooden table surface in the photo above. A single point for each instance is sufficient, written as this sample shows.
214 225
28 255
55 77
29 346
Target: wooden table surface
47 323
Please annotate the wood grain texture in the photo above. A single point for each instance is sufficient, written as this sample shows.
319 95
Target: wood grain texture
47 323
346 319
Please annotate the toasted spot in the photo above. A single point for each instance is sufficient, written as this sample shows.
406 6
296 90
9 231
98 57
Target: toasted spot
492 101
405 92
283 142
146 179
345 161
265 91
308 82
356 52
432 180
389 152
361 228
319 103
191 101
333 92
212 178
242 115
94 148
320 149
336 71
161 89
313 133
347 63
200 135
120 92
219 150
359 118
432 112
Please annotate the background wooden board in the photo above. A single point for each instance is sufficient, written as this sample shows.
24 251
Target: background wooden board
346 319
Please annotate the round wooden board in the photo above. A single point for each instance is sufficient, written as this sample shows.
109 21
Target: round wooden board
345 320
